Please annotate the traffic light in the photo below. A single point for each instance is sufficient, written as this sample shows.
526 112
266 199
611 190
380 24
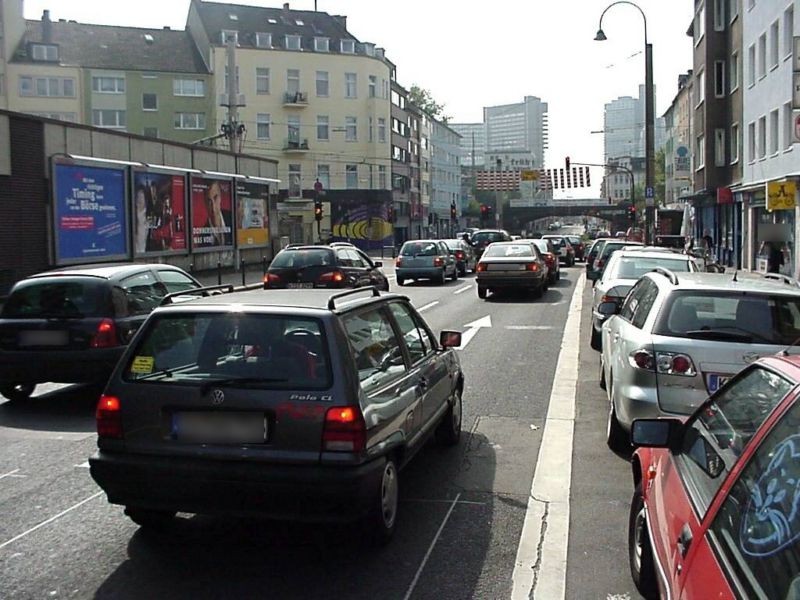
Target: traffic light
453 214
318 211
566 163
390 214
632 213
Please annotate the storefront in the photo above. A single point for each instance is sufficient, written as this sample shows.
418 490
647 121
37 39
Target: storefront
771 246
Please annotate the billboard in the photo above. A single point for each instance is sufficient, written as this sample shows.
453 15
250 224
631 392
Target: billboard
252 221
90 220
159 212
212 213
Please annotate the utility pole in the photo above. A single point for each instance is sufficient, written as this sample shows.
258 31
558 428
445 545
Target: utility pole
233 130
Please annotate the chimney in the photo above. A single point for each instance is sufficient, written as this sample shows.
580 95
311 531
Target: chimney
342 20
47 27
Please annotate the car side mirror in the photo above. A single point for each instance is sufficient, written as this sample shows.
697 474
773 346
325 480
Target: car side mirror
608 309
450 339
655 433
377 264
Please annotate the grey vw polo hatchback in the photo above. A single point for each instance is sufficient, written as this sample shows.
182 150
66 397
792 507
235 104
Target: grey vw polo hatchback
285 404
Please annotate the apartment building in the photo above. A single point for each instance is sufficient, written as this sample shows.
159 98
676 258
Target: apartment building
146 81
316 99
445 176
677 146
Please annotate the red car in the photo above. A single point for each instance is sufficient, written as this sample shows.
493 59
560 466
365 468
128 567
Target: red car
716 510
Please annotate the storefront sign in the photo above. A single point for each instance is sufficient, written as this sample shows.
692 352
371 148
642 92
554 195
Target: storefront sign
252 225
89 212
781 195
212 213
724 196
159 212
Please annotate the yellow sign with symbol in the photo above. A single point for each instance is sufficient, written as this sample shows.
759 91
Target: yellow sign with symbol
529 175
781 195
142 365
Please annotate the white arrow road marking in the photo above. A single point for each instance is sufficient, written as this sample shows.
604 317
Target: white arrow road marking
427 306
463 289
529 327
472 329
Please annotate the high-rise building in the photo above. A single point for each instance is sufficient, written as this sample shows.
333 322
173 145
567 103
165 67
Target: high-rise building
516 134
473 143
623 127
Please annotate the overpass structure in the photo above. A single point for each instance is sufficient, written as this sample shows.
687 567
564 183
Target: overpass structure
516 217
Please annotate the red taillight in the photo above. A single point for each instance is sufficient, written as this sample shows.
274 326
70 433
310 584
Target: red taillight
680 364
438 261
108 417
642 359
398 262
599 263
481 267
345 430
459 255
106 335
671 363
331 277
271 278
532 267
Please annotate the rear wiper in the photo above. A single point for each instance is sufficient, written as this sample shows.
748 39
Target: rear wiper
239 381
718 335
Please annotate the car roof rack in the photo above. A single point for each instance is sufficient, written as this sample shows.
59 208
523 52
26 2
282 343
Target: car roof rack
226 288
371 288
673 279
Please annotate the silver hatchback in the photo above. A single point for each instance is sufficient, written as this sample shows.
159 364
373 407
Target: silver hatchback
679 337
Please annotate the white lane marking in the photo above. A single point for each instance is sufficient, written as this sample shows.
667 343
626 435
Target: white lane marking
427 306
463 289
435 501
540 569
430 548
50 520
529 327
83 465
9 474
473 329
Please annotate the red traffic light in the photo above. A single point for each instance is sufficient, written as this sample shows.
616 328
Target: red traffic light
566 163
484 209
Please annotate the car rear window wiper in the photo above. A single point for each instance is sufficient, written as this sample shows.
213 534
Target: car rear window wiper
239 381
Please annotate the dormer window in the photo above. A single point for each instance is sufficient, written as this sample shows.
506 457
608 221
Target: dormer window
347 46
293 42
321 44
44 52
369 49
299 23
263 40
227 35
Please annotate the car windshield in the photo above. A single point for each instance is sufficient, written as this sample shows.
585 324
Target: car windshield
633 268
732 316
420 249
454 244
310 257
487 237
508 250
556 241
192 349
65 298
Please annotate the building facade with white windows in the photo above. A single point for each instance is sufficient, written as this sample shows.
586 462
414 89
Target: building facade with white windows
519 130
473 143
445 176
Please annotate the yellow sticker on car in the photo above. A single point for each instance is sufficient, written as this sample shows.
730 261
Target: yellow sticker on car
142 365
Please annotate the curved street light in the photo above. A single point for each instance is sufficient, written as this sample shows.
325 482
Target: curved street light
649 111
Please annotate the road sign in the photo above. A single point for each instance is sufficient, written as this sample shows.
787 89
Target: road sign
529 175
649 193
781 195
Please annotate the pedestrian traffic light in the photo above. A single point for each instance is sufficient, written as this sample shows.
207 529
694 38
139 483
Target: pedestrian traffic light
566 163
632 213
453 214
318 210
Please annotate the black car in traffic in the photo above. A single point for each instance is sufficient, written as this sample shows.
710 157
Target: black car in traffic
71 325
320 266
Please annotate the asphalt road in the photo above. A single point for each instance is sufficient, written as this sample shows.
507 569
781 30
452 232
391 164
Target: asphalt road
462 510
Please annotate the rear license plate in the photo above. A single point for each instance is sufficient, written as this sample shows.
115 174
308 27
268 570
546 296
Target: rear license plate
503 267
43 338
714 381
300 286
219 427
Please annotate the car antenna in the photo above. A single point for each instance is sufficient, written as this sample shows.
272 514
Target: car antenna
736 276
785 351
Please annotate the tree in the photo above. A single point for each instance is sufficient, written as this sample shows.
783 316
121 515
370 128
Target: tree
661 179
425 100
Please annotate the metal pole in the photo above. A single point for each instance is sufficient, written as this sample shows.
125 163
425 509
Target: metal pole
233 110
243 267
649 136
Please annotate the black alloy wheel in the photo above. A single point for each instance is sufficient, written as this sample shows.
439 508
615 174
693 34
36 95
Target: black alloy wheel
17 392
153 520
481 292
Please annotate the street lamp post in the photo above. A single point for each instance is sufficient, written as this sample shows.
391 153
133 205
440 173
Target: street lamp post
649 114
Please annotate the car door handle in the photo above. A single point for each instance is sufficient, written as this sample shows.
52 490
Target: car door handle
684 540
423 383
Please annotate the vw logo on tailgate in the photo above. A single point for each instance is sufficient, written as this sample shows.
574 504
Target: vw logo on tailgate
751 357
217 397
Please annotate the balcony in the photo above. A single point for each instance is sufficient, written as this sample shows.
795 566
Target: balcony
296 146
296 99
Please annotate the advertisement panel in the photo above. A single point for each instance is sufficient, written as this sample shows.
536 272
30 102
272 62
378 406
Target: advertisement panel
212 213
252 221
159 212
90 219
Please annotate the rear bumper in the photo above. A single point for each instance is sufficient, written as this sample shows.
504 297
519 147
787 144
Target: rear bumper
419 272
509 282
296 492
62 366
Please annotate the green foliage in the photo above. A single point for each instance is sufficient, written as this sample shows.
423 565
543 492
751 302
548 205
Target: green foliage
425 100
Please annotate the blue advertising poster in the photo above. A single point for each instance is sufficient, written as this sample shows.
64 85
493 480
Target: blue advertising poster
90 217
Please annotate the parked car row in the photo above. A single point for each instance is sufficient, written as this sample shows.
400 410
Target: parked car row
699 377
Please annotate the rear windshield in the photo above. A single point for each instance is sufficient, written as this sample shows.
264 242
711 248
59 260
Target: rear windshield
734 317
509 250
634 268
557 242
612 247
487 237
454 244
312 257
574 240
542 246
57 298
420 249
262 350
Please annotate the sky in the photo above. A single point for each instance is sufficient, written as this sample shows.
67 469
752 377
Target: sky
472 54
